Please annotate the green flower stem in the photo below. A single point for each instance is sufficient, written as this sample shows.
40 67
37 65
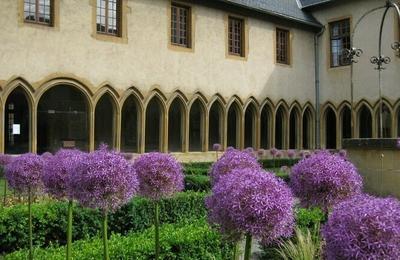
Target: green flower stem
105 239
69 230
30 224
247 249
5 192
236 251
157 227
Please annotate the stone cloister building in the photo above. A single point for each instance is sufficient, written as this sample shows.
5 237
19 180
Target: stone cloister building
179 76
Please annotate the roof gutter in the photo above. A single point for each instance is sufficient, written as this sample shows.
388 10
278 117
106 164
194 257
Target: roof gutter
264 11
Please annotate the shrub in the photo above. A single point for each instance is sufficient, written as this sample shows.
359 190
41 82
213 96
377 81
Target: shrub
193 241
324 179
309 218
277 162
195 171
197 183
50 218
363 227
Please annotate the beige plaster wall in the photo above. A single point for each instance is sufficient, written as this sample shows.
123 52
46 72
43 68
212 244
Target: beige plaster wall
335 82
379 169
37 53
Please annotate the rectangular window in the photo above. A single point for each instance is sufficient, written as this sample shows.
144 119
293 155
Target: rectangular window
236 36
180 25
108 13
339 40
38 11
282 46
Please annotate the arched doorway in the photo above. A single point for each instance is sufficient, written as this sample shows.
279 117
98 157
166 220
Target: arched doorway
130 125
346 122
307 129
196 126
294 126
330 129
280 119
265 123
154 125
365 122
104 127
215 127
16 122
250 118
176 126
386 122
233 127
62 120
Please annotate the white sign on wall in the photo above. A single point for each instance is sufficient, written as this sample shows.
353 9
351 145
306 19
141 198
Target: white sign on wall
16 130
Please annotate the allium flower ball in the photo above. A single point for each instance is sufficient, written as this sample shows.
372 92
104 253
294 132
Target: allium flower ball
24 173
291 154
261 152
251 201
273 151
58 170
47 155
343 153
278 154
231 160
105 180
249 150
216 147
324 179
398 143
160 175
5 159
363 227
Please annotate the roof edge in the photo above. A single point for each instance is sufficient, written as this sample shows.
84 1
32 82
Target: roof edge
301 6
277 14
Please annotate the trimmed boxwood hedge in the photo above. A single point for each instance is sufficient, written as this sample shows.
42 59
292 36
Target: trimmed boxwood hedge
49 220
197 183
192 241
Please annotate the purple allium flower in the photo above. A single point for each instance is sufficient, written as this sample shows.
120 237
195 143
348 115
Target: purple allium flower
273 151
47 155
217 147
307 154
104 180
249 150
24 173
343 153
324 179
230 148
230 160
291 154
398 143
261 152
363 227
160 175
5 159
58 170
278 154
251 201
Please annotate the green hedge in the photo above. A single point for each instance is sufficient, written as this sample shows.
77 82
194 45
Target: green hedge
197 183
193 241
49 220
277 163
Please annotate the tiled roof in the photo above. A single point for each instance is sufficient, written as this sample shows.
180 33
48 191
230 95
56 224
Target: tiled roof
309 3
287 9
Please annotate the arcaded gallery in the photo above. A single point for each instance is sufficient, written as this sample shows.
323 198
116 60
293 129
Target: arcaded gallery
189 74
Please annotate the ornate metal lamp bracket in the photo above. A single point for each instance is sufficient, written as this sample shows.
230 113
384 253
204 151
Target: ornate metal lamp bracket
396 46
379 61
352 54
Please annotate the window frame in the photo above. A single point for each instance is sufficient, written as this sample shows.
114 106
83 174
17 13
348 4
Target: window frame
288 46
188 26
52 9
118 18
340 37
243 37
